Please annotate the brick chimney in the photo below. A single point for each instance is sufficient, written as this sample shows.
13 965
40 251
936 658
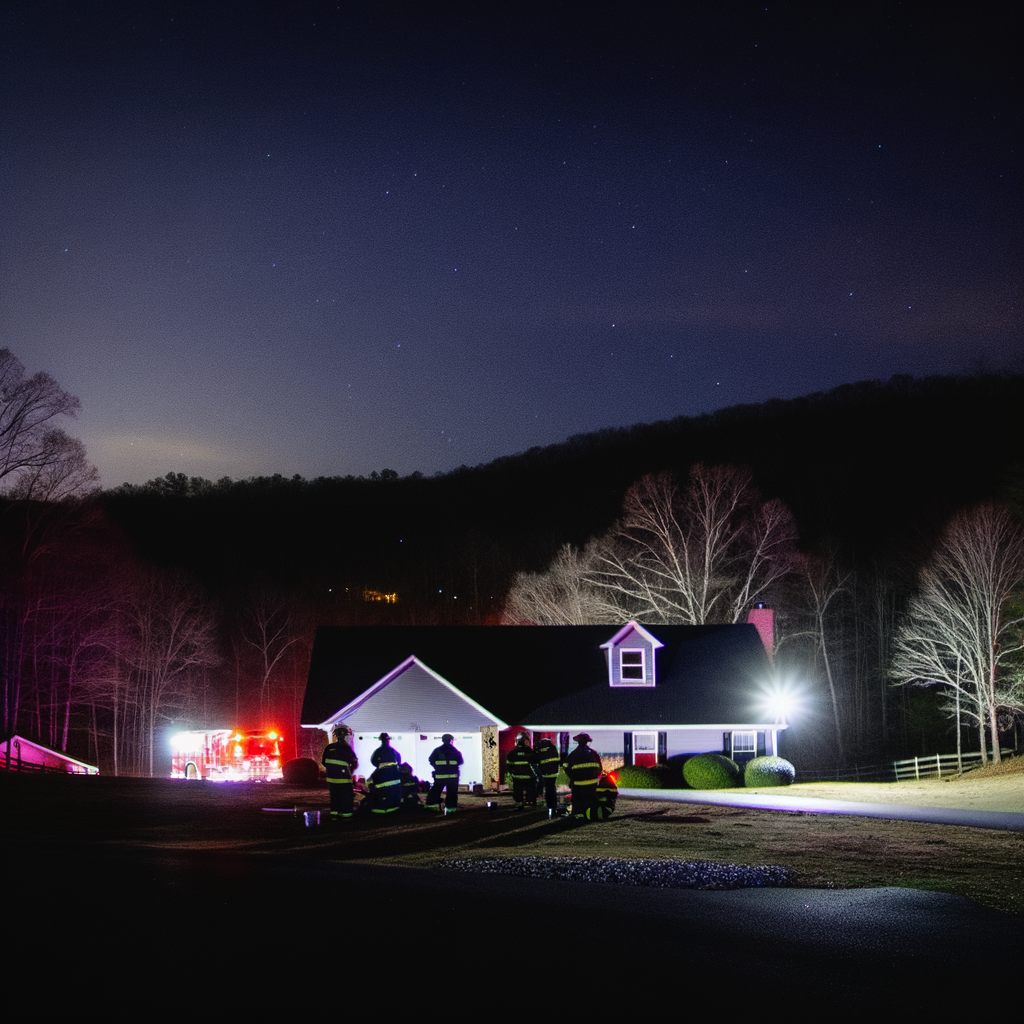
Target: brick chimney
764 620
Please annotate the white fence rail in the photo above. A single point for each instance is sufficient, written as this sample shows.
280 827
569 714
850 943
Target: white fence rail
937 764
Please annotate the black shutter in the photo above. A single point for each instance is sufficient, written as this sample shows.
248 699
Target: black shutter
662 747
727 744
627 748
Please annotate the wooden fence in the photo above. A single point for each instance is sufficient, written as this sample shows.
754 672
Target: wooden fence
938 764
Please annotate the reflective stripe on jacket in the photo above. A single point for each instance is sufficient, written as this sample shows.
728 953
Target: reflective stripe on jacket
385 754
386 788
445 761
519 762
546 758
583 766
340 761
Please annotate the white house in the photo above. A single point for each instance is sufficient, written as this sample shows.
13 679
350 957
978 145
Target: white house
645 693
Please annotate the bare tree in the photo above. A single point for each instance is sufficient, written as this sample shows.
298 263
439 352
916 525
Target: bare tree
563 595
29 441
703 555
267 629
957 631
825 582
697 556
163 639
69 475
40 465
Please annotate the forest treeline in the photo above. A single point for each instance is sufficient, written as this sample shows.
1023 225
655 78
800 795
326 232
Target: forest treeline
874 469
870 474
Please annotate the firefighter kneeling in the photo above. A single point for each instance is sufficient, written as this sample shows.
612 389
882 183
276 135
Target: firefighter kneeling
607 794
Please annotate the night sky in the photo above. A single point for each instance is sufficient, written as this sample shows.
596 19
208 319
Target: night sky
340 237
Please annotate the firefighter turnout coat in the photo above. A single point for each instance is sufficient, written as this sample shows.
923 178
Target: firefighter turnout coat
446 761
340 762
583 767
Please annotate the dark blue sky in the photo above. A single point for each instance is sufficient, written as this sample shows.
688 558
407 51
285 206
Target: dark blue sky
338 237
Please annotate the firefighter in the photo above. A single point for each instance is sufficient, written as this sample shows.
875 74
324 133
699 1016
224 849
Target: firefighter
607 794
410 788
340 762
519 765
385 753
446 761
583 767
385 783
546 759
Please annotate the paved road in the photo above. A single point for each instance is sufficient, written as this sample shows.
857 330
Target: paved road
250 927
1002 820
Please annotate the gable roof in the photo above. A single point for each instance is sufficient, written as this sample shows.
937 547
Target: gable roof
18 753
628 630
527 674
414 693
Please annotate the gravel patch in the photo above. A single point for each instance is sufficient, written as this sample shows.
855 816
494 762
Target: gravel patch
658 874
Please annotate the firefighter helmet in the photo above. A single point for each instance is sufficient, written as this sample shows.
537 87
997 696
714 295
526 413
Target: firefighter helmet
447 738
383 737
581 738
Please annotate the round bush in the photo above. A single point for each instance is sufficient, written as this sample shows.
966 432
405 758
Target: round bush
768 771
712 771
636 776
301 771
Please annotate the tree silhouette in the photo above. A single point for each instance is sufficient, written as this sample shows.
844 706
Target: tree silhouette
702 555
957 631
29 442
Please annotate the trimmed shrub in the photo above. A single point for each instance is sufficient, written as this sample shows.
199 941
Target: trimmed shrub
636 776
712 771
301 771
768 771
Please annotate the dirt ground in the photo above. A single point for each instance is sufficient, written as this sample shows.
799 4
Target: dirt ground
825 851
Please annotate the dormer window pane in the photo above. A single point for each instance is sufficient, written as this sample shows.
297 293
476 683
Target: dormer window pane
632 665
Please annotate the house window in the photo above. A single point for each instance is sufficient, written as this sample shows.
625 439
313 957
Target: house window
744 744
645 748
631 666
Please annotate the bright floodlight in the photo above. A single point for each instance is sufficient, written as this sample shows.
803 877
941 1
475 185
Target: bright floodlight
780 701
780 706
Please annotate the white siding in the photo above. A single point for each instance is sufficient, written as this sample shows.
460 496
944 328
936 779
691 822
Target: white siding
604 741
416 702
416 747
694 741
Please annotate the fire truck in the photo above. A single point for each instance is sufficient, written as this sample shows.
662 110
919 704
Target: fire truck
227 755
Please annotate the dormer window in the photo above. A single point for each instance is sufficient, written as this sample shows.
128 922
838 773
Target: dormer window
630 656
631 666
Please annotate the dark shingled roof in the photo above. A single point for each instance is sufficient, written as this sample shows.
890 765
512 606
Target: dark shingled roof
550 674
706 675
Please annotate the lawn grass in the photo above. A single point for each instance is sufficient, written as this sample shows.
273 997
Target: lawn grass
825 851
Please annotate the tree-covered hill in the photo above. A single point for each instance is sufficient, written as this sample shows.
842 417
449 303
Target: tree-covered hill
873 468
